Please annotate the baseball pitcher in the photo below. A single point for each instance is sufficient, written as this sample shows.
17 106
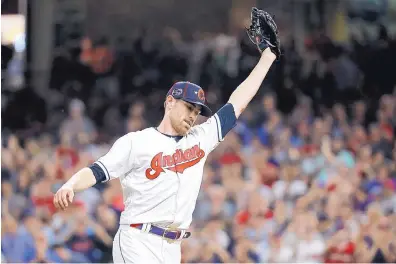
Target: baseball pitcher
160 168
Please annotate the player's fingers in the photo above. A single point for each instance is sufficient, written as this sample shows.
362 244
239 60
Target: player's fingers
55 201
63 199
71 196
59 200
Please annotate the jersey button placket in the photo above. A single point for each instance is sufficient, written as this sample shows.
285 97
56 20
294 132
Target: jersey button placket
177 146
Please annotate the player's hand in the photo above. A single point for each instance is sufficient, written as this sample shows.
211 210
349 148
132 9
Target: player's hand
263 32
63 197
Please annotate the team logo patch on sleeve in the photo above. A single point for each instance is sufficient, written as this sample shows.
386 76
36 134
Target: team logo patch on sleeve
177 162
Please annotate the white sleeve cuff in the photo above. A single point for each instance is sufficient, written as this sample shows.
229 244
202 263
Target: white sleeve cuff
219 134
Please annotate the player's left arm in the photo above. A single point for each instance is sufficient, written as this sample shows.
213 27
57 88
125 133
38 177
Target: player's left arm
245 92
213 131
263 32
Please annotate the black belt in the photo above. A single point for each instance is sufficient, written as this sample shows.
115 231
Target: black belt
169 234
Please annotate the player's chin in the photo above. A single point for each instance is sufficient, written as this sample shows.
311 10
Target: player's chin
184 128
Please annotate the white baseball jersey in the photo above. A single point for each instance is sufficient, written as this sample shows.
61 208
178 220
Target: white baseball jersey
161 175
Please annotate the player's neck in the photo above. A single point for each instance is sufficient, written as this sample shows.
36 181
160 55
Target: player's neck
165 127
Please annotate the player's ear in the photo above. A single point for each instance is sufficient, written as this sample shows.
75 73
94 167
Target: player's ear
170 101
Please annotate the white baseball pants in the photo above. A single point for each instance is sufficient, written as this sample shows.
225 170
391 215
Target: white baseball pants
132 245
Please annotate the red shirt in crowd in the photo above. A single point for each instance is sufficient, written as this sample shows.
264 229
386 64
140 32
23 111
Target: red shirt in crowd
341 254
67 158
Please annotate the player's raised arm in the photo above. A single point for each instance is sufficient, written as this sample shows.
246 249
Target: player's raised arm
264 34
117 162
242 96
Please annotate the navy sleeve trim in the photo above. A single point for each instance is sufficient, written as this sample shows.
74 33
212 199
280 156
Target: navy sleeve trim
104 169
226 120
98 172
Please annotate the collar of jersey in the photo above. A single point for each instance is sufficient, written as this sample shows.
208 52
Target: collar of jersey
177 138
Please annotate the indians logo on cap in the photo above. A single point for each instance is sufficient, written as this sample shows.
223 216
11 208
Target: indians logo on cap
201 95
177 92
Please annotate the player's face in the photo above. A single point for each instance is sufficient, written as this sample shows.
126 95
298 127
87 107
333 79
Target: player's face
183 116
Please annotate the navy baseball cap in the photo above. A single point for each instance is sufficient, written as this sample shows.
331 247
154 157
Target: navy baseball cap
191 93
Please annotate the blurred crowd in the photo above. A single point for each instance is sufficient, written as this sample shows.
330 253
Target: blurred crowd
307 175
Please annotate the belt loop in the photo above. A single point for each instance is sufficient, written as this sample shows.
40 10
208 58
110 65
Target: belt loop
182 232
147 227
